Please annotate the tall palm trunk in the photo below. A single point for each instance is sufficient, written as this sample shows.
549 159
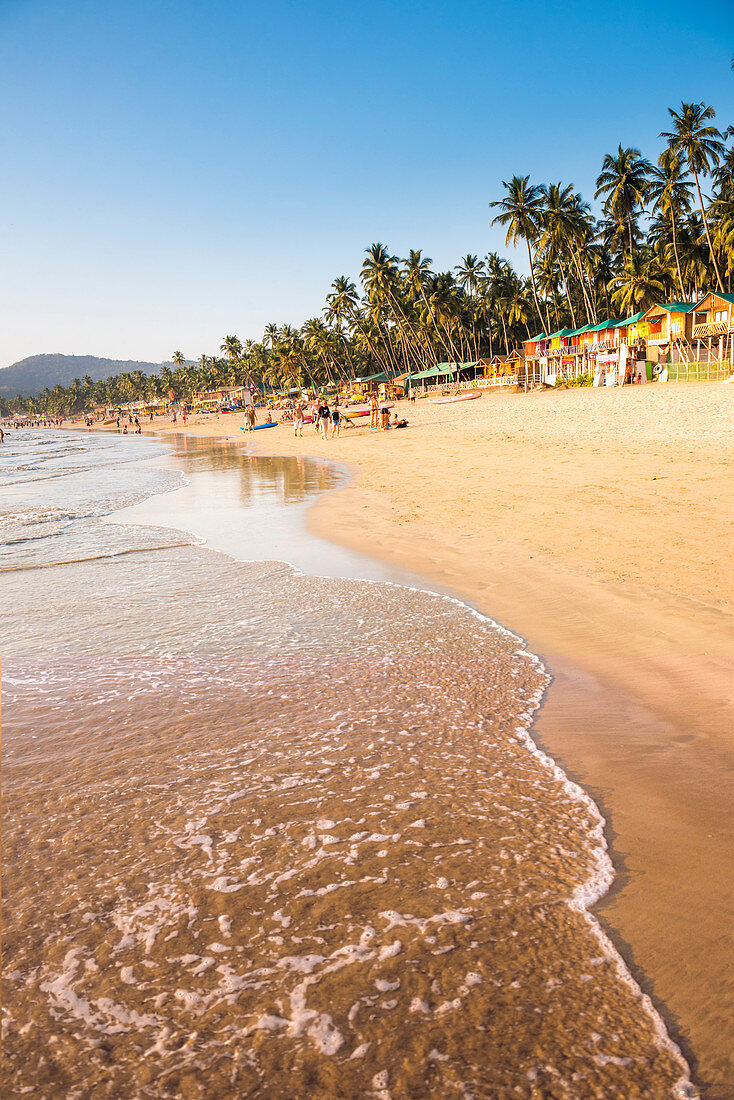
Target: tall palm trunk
708 235
436 328
675 249
543 323
590 311
568 296
399 311
504 329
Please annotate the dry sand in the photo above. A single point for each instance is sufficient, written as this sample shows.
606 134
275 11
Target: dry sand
598 525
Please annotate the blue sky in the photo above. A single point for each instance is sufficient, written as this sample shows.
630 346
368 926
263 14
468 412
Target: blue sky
173 172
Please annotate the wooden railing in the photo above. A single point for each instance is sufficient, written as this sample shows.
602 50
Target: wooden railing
715 328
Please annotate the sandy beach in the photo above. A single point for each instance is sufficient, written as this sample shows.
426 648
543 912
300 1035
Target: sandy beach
597 525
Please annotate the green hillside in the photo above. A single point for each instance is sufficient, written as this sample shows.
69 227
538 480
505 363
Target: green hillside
32 375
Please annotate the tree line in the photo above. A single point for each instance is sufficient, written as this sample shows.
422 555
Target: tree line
665 232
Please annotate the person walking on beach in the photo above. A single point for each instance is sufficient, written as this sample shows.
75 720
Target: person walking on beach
324 416
251 416
374 412
298 418
335 420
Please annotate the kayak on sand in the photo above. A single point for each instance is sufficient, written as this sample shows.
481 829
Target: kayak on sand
257 427
456 397
362 412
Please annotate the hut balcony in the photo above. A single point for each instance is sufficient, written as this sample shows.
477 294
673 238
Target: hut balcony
714 328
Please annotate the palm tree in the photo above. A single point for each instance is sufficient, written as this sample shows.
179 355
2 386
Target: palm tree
232 347
559 224
521 214
178 358
638 283
722 228
469 275
700 147
624 181
671 197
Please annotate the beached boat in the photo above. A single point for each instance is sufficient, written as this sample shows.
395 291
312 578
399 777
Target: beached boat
353 415
257 427
470 395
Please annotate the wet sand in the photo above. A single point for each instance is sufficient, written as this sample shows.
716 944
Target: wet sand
267 866
598 525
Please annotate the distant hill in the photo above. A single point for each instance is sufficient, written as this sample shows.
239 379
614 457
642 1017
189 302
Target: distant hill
29 376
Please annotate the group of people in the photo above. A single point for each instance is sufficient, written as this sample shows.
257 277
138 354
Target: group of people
38 422
328 419
122 427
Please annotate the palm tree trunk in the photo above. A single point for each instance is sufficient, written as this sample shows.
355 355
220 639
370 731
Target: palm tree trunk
677 257
543 323
590 311
568 296
708 235
504 329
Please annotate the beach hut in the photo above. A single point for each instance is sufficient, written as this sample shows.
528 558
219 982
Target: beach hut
712 328
668 332
535 357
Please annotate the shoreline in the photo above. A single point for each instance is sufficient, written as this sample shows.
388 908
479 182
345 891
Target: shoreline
639 710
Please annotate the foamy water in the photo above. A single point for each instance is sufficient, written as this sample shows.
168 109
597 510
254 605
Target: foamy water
269 834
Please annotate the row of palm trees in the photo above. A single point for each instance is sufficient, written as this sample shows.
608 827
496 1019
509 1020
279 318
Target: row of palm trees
665 231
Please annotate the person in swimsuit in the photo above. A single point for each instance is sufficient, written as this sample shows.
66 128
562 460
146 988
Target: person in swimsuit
374 412
336 420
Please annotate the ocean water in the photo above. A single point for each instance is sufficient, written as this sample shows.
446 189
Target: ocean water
275 834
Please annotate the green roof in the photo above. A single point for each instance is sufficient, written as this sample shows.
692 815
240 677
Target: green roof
718 293
379 377
679 307
534 339
440 369
629 320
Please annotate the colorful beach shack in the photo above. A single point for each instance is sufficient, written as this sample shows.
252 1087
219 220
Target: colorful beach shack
712 328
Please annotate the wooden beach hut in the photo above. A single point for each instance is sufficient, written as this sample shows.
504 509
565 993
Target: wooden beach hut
712 329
